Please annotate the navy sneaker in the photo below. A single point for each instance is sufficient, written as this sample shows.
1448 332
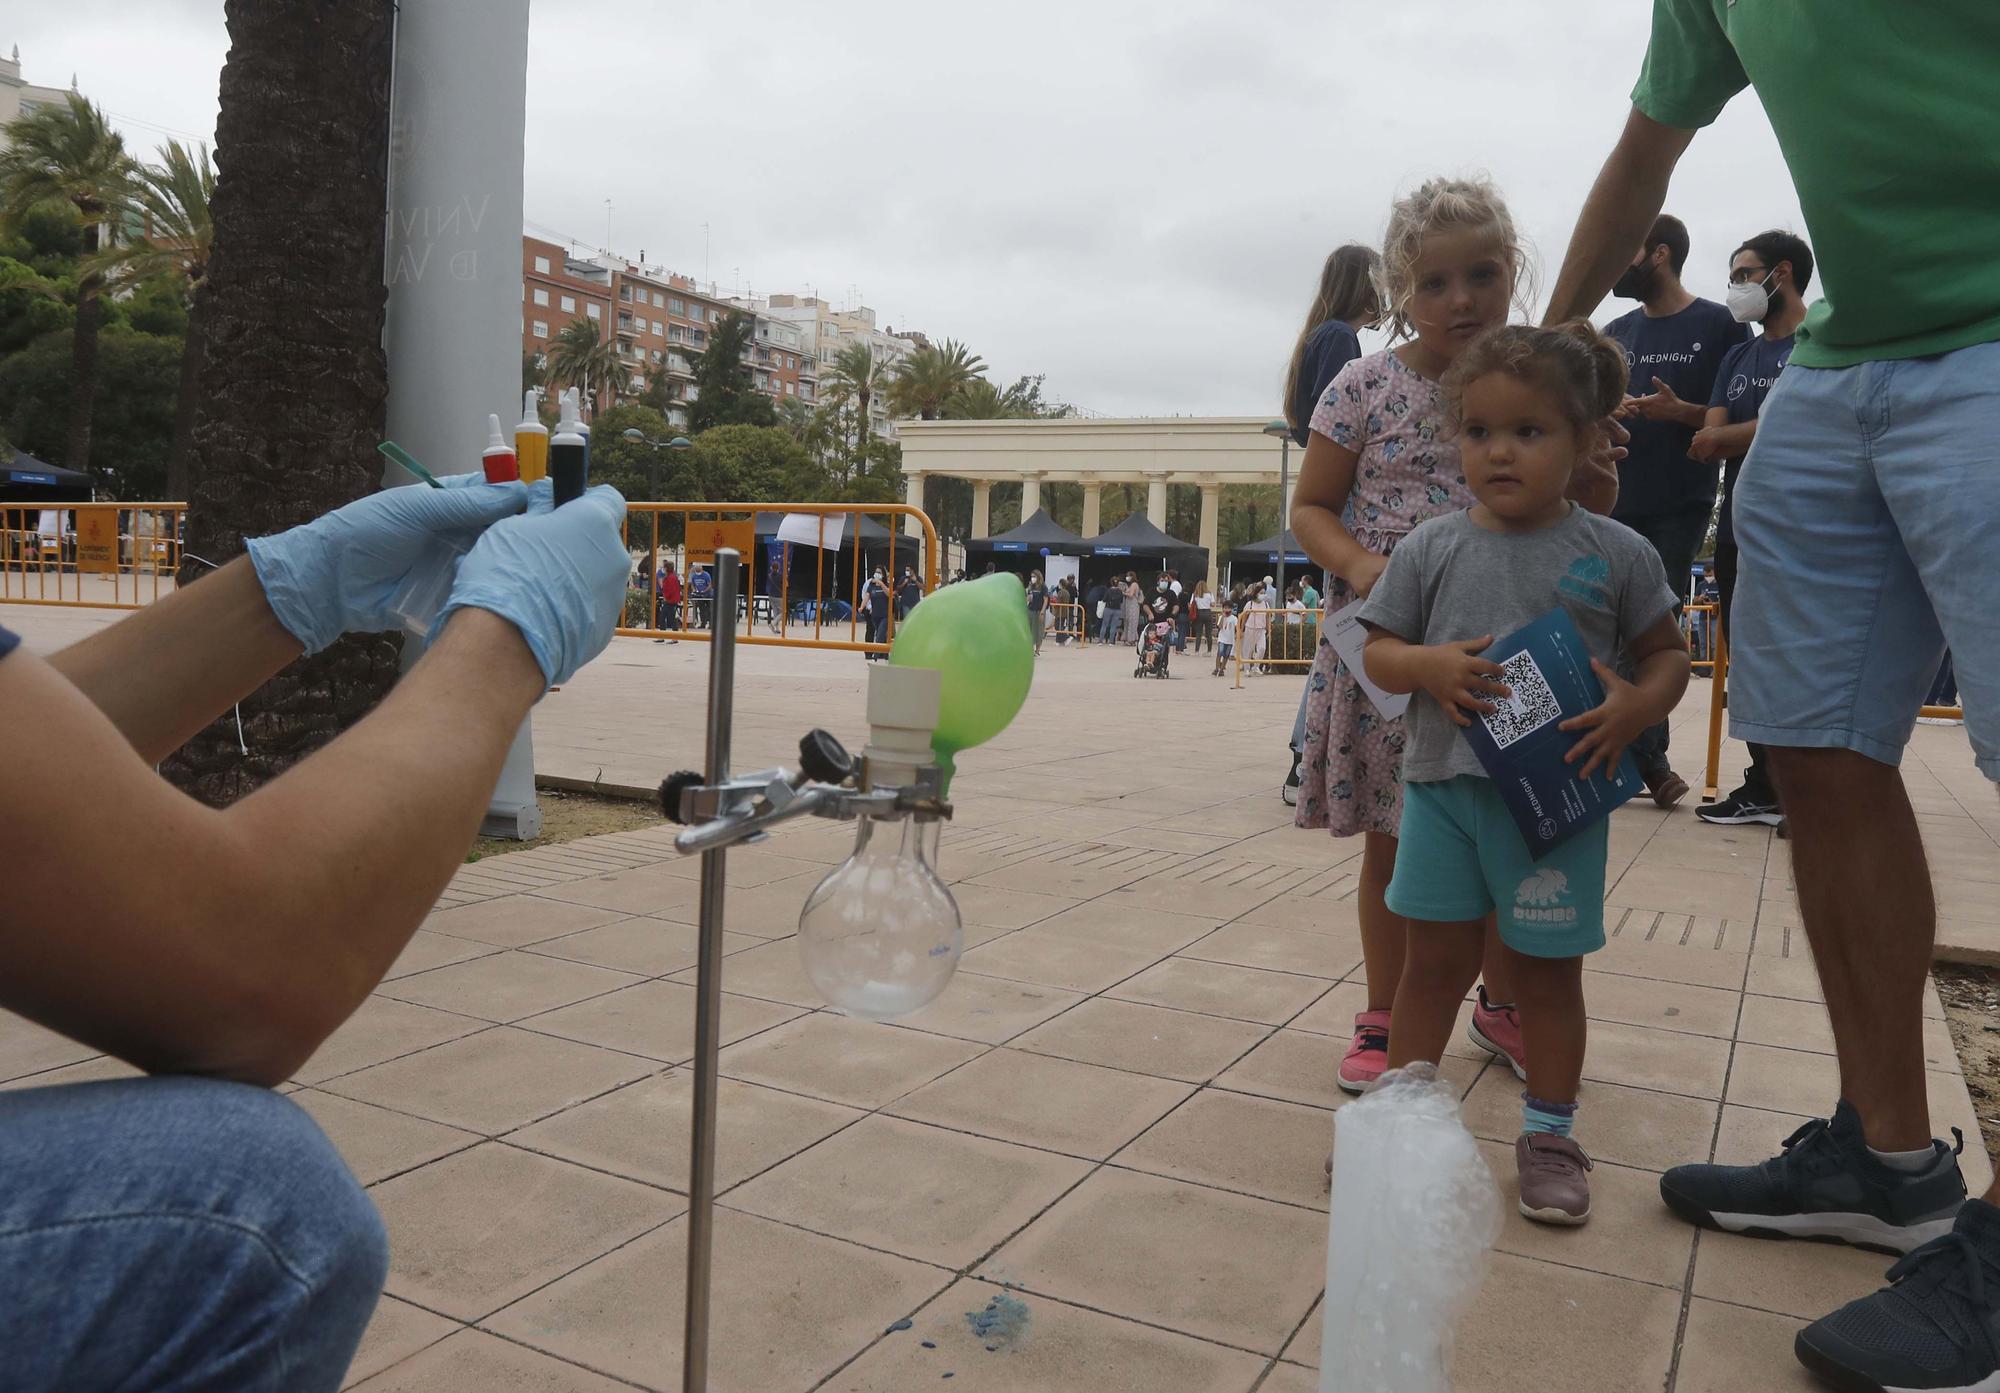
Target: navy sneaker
1827 1186
1935 1327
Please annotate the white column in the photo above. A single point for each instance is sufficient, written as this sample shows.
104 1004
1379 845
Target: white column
913 494
1093 503
1156 500
453 265
982 507
1211 508
1031 495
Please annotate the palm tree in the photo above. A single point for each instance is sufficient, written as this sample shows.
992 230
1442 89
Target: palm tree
929 378
581 357
171 200
856 375
293 400
70 154
980 400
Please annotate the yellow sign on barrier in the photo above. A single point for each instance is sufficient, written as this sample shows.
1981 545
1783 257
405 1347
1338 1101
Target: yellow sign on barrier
97 541
707 537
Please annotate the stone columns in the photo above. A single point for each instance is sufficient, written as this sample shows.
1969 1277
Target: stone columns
1211 508
913 494
1093 502
1031 495
1156 500
982 507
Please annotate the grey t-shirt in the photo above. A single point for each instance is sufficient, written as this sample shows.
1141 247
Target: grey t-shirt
1452 579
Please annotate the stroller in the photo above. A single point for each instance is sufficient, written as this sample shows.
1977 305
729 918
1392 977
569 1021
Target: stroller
1155 643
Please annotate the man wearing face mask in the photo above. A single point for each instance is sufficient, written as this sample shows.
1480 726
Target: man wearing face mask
1768 276
1674 345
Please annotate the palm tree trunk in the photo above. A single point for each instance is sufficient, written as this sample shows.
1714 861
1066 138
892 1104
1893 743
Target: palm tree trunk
83 364
185 402
293 382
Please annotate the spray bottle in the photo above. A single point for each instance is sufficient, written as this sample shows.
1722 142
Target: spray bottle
569 459
497 460
531 442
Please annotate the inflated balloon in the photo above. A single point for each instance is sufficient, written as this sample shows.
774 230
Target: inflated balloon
976 634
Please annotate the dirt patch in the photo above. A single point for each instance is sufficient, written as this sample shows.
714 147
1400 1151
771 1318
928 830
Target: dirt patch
1971 997
568 816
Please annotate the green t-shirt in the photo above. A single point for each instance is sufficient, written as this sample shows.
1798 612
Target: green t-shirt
1888 113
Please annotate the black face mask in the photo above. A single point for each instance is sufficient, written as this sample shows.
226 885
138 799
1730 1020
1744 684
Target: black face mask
1636 283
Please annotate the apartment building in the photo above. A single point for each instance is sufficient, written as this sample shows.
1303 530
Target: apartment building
557 288
824 331
19 97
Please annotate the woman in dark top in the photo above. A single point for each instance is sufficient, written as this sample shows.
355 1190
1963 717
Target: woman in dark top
1348 301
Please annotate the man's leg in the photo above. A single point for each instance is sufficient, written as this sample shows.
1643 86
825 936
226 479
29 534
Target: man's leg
1756 799
1864 893
178 1233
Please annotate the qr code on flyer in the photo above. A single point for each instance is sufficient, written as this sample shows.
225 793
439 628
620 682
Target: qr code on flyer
1531 706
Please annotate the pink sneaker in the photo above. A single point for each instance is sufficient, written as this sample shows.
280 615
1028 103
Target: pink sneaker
1497 1030
1368 1056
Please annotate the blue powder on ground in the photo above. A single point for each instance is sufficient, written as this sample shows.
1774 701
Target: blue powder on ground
899 1325
1003 1322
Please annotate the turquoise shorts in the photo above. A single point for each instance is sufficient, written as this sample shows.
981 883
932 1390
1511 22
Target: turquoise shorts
1459 855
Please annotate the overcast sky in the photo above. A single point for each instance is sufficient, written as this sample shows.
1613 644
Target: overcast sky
1134 199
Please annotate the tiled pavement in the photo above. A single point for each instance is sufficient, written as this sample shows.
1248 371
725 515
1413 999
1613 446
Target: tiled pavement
1104 1143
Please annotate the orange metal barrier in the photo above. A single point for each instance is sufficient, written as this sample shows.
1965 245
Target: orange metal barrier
1701 625
1066 621
1268 639
829 617
96 555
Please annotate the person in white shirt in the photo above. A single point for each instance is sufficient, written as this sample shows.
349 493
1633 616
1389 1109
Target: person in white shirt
1225 639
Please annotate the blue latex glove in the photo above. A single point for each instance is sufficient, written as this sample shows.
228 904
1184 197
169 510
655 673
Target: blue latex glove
336 574
557 574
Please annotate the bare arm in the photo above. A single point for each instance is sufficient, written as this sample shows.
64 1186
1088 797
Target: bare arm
1456 679
231 942
1326 479
1659 658
1628 195
200 649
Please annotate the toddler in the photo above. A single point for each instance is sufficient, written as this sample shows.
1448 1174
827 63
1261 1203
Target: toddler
1526 405
1225 640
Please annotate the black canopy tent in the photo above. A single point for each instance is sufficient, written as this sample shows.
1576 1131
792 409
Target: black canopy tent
25 480
1020 550
1137 545
1262 558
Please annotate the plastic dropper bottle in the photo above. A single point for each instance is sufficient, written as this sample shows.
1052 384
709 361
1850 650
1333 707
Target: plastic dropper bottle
531 442
583 429
497 460
569 461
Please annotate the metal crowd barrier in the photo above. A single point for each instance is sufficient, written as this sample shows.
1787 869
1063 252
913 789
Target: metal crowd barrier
94 555
1271 639
825 616
1701 626
1066 621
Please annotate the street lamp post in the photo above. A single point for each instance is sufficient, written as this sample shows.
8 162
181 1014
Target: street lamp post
1283 431
679 442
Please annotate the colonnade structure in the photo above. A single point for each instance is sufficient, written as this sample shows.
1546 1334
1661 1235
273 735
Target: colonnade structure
1208 451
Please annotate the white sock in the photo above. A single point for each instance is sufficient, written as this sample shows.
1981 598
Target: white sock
1907 1161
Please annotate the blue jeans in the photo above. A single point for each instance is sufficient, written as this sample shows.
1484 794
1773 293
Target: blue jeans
1865 517
178 1235
1108 627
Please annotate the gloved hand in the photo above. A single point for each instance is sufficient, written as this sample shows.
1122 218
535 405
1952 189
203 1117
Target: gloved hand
557 574
336 574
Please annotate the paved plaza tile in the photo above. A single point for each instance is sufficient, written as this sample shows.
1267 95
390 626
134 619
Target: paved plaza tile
1095 1163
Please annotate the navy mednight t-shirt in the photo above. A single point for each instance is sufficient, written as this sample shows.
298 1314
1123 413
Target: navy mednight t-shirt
1685 351
1747 375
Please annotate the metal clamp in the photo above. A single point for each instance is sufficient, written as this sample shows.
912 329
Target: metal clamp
742 808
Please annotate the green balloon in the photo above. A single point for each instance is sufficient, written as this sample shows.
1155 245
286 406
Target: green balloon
976 634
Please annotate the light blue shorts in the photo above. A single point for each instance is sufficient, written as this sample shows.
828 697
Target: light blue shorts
1459 854
1868 517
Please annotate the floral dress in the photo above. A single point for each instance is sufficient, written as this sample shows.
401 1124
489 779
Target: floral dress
1408 473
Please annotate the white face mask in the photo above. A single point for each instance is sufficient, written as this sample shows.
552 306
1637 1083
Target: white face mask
1749 301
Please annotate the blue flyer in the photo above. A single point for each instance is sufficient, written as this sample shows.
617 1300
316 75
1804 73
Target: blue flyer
1548 671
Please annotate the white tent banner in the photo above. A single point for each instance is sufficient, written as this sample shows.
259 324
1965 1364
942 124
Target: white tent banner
1059 566
813 529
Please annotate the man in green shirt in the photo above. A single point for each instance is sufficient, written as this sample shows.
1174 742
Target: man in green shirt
1868 518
